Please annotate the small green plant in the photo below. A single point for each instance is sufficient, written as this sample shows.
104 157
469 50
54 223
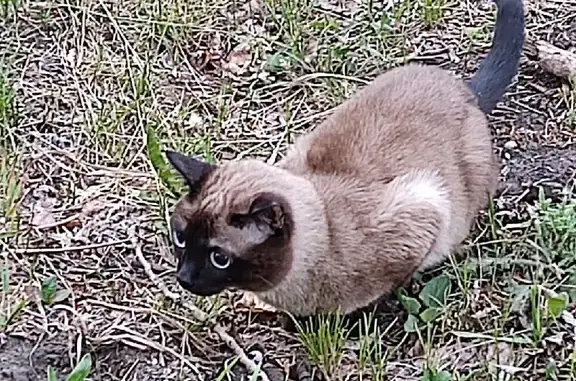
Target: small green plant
49 292
372 358
51 374
8 7
106 127
79 373
551 371
156 157
289 17
545 308
323 337
255 376
432 11
557 304
226 371
556 229
8 112
278 62
8 311
431 374
433 296
9 159
476 34
573 364
9 190
536 313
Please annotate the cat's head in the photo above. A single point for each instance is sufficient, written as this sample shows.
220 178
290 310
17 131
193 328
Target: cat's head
232 229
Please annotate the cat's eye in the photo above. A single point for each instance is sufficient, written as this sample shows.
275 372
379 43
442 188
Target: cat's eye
178 239
220 260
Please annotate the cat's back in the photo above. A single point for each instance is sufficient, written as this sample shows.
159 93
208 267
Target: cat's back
413 118
416 126
402 120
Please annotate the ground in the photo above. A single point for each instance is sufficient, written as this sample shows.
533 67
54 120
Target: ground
88 87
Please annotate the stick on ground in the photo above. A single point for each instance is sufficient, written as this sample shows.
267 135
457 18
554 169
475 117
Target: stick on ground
196 312
560 62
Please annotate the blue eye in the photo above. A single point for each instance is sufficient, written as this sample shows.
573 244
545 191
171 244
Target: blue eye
178 239
220 260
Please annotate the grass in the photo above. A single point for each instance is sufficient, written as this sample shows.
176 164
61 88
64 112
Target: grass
79 373
8 154
324 338
372 356
8 8
91 92
568 94
432 11
9 309
10 191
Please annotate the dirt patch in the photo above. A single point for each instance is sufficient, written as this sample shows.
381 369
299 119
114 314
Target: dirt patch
21 362
117 362
552 169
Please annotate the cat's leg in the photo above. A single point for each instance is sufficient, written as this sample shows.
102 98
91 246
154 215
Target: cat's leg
413 224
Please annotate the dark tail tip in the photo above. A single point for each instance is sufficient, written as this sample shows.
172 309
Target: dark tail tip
501 64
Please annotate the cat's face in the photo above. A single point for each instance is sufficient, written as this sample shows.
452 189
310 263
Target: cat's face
226 233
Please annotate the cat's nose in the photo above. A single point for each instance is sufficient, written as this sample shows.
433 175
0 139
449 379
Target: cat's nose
185 281
186 275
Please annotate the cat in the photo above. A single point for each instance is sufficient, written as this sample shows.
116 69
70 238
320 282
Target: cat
389 184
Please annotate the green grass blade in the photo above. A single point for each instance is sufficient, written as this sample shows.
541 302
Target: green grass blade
82 369
157 159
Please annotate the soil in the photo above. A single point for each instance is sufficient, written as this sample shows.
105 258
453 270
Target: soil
20 361
108 362
551 168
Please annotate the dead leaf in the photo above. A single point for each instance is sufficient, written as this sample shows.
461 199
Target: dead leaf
239 59
61 295
250 300
557 338
42 217
92 207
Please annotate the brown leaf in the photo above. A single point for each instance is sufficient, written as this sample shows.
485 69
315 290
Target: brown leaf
42 217
239 59
250 300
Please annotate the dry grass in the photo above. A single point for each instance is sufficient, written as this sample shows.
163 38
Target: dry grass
82 80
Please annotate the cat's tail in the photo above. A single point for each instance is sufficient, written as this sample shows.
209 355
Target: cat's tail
501 64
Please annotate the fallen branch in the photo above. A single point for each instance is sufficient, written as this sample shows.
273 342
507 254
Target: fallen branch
197 313
560 62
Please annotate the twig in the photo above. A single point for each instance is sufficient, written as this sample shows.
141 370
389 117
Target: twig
148 269
560 62
55 224
55 250
197 313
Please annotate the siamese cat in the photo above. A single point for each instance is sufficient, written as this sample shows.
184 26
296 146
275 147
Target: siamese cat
388 185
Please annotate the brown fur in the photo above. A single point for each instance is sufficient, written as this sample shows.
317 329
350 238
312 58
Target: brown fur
389 184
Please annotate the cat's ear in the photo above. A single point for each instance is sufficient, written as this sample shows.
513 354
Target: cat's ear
190 168
267 217
268 211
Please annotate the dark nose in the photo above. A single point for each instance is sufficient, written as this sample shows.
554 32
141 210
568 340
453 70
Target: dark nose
186 275
184 281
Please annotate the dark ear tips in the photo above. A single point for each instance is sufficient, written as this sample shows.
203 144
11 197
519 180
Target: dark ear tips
173 157
170 154
190 168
